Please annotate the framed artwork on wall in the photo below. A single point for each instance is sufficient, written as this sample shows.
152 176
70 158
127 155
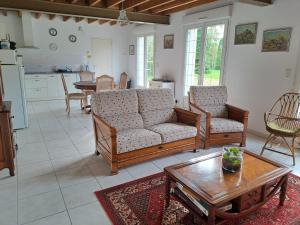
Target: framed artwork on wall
169 41
245 34
277 40
131 50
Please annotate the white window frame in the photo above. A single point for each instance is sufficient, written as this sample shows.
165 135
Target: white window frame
204 26
145 57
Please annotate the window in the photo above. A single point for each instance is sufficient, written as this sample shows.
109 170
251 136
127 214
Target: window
145 60
204 55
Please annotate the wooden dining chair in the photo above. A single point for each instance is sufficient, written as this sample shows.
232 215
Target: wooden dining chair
87 76
123 81
72 96
104 82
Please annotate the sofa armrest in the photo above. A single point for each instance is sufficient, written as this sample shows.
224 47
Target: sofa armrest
187 117
237 114
105 135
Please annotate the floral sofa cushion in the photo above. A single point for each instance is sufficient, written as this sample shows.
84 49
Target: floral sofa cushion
174 131
132 139
156 106
118 108
212 99
221 125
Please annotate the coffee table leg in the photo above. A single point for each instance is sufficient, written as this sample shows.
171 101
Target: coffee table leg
283 190
168 188
211 216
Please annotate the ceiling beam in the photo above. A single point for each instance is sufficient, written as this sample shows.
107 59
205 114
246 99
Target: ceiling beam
112 3
74 1
37 15
4 12
66 18
79 19
80 11
152 4
103 21
258 2
95 2
112 23
179 5
129 4
51 16
91 20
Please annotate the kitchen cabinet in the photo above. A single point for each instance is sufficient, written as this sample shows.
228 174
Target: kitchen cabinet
48 86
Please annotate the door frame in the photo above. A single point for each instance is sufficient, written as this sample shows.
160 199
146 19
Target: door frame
145 56
204 25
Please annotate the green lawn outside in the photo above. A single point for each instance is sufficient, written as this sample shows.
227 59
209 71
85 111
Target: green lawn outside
211 78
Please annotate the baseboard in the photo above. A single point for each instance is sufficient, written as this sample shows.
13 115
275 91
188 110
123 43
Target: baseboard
258 133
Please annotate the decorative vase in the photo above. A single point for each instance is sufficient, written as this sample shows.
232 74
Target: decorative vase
232 159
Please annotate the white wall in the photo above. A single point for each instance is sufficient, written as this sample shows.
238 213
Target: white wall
254 79
70 54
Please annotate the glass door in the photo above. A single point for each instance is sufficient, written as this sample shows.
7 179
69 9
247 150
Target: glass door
204 54
145 60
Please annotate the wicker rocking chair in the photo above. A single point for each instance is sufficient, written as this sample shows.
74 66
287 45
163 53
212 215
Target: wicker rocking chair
283 121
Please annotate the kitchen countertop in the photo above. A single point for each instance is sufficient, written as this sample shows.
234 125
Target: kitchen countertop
45 73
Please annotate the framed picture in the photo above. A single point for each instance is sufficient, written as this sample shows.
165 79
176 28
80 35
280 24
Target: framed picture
277 40
169 41
245 34
131 50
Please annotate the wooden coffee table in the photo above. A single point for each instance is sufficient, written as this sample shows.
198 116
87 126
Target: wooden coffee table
246 191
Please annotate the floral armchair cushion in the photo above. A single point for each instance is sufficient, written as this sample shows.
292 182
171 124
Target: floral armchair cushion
156 106
211 98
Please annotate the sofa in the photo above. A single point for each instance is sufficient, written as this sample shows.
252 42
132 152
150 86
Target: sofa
221 123
136 125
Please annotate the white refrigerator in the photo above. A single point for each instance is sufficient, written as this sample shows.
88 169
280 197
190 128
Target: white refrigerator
14 90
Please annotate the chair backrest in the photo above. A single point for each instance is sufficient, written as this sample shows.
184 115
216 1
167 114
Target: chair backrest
210 98
64 84
287 108
156 106
119 108
104 82
123 81
86 76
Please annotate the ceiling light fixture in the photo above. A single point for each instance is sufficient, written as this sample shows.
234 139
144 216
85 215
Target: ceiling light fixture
123 19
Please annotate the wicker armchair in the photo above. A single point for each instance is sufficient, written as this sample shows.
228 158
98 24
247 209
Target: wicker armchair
283 121
222 123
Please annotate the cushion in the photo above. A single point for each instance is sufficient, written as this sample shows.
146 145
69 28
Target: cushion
221 125
129 140
116 102
156 106
211 99
119 108
174 131
155 99
274 125
125 121
154 117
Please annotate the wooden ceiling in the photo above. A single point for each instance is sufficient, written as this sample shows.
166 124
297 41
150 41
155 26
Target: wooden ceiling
107 11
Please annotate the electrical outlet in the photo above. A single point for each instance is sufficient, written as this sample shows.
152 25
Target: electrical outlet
288 73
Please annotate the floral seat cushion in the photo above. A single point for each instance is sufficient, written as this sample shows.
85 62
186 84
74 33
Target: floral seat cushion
222 125
132 139
174 131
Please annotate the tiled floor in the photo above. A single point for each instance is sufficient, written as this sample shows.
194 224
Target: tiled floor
57 172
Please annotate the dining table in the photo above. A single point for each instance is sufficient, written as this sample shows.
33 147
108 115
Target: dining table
85 85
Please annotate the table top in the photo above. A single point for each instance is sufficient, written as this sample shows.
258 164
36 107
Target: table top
204 176
85 85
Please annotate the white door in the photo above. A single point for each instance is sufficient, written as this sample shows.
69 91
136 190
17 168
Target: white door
101 56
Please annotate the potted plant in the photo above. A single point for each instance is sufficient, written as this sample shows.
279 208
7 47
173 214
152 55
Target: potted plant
232 159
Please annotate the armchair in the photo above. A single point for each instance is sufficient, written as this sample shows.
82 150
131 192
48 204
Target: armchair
221 123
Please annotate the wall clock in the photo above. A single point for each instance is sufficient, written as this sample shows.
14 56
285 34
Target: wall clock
53 46
52 31
72 38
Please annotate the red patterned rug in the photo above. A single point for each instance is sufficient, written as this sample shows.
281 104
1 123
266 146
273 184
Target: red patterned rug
141 202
